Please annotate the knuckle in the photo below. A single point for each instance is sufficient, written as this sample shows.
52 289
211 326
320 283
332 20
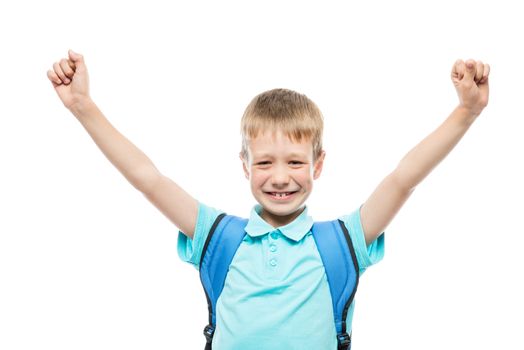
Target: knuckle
467 84
57 68
65 66
52 76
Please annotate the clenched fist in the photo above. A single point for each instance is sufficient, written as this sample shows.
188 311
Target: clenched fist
471 82
70 80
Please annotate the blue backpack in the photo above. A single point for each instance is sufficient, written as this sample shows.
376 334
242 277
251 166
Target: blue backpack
335 248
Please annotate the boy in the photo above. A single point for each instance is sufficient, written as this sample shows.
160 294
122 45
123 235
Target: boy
276 295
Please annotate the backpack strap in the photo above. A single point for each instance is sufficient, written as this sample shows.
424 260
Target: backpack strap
221 244
340 262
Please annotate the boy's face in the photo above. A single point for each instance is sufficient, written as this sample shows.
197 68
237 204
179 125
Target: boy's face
281 174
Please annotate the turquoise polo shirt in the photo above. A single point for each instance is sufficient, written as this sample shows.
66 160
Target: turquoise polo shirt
276 295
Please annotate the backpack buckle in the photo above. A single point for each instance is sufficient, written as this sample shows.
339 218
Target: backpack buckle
209 331
344 341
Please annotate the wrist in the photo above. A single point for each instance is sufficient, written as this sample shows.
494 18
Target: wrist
81 106
469 115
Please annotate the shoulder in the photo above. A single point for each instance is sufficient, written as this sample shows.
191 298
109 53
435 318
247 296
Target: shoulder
190 250
367 255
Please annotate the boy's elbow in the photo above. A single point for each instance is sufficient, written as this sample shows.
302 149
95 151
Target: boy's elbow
145 179
404 181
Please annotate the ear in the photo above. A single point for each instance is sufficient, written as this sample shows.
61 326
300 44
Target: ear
317 168
244 166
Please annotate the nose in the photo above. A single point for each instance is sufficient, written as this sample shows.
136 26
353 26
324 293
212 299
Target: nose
280 177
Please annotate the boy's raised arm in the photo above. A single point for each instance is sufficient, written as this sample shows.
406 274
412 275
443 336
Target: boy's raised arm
71 82
471 82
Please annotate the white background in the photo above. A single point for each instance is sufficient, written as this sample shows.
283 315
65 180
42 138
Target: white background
86 262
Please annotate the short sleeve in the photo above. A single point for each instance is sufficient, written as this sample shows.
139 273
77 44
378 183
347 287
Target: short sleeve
366 255
190 250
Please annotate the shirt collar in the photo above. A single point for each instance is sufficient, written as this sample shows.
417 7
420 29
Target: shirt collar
295 230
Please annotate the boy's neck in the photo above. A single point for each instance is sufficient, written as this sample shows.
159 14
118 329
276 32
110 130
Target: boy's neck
278 220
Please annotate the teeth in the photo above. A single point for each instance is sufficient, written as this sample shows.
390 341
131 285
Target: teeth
280 195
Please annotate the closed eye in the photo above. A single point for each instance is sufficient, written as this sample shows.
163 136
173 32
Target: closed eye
291 162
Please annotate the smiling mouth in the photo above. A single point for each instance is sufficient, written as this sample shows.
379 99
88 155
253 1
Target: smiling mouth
281 195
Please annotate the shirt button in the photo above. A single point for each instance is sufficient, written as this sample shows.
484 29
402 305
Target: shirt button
273 248
274 234
273 262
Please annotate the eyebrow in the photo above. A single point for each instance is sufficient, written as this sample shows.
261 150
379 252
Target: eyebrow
290 155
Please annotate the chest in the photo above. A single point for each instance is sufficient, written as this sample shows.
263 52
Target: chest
274 263
285 287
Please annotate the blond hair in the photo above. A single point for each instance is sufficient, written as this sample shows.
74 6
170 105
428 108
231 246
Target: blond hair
290 112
